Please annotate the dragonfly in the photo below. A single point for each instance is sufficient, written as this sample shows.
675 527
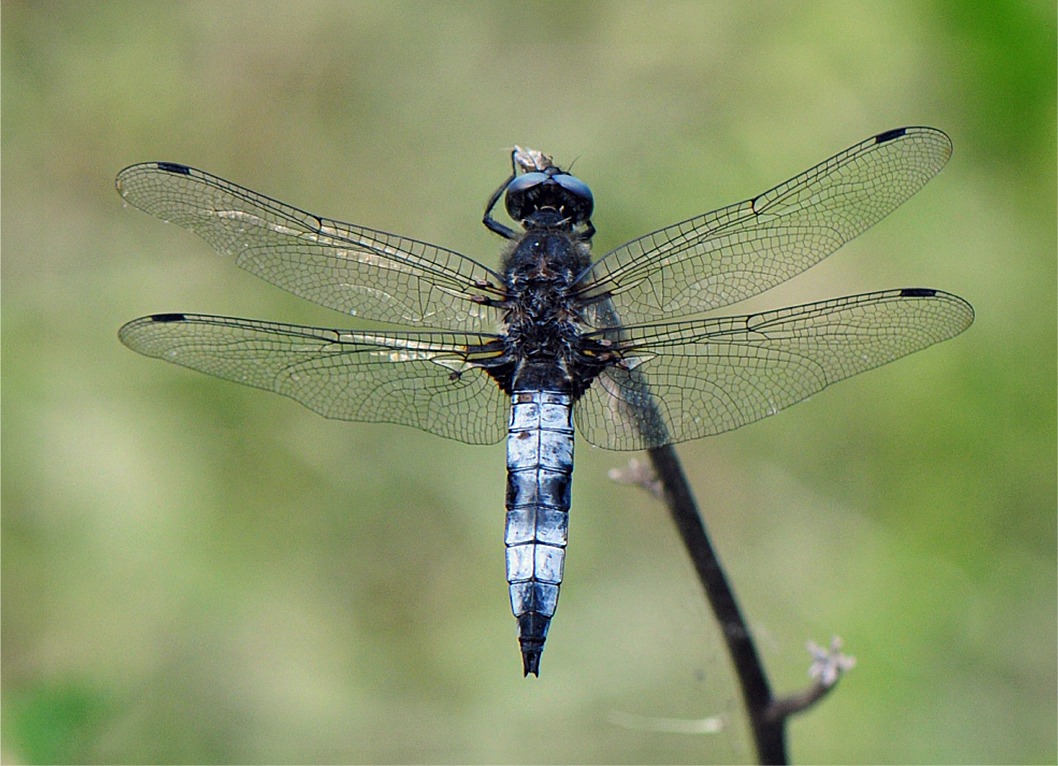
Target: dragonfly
555 343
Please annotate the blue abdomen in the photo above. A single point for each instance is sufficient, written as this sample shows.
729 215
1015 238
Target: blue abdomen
539 478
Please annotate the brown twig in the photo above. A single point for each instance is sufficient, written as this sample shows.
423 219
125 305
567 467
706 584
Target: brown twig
769 732
767 715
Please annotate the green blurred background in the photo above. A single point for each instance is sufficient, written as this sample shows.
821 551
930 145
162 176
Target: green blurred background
198 572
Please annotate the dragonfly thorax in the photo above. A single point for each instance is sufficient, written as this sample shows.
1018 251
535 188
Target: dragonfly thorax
540 274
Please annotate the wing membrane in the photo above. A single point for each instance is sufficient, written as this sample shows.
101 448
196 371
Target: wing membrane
426 380
685 380
733 253
353 269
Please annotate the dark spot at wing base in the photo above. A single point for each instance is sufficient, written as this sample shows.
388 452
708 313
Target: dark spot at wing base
174 167
917 292
168 317
889 135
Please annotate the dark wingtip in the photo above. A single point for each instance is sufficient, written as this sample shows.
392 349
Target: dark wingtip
917 292
889 135
531 663
174 167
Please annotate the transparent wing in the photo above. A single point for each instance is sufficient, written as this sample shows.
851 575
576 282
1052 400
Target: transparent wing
426 380
739 251
358 271
685 380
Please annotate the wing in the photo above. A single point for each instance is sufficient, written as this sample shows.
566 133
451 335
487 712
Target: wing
358 271
685 380
430 381
739 251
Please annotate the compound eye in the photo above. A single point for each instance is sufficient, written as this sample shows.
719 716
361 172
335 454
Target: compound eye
575 186
585 201
520 193
560 191
525 182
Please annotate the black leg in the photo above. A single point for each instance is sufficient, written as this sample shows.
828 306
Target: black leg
491 223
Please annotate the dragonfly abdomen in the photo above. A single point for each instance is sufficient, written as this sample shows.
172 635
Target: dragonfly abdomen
539 479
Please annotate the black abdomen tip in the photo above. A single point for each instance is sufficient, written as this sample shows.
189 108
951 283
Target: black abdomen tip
531 662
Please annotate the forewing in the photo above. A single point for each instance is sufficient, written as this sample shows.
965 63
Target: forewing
426 380
353 269
686 380
736 252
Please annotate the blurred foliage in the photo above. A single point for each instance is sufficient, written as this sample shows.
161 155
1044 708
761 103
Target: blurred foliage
202 573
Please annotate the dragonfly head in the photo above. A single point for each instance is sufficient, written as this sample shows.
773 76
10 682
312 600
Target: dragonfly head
541 194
